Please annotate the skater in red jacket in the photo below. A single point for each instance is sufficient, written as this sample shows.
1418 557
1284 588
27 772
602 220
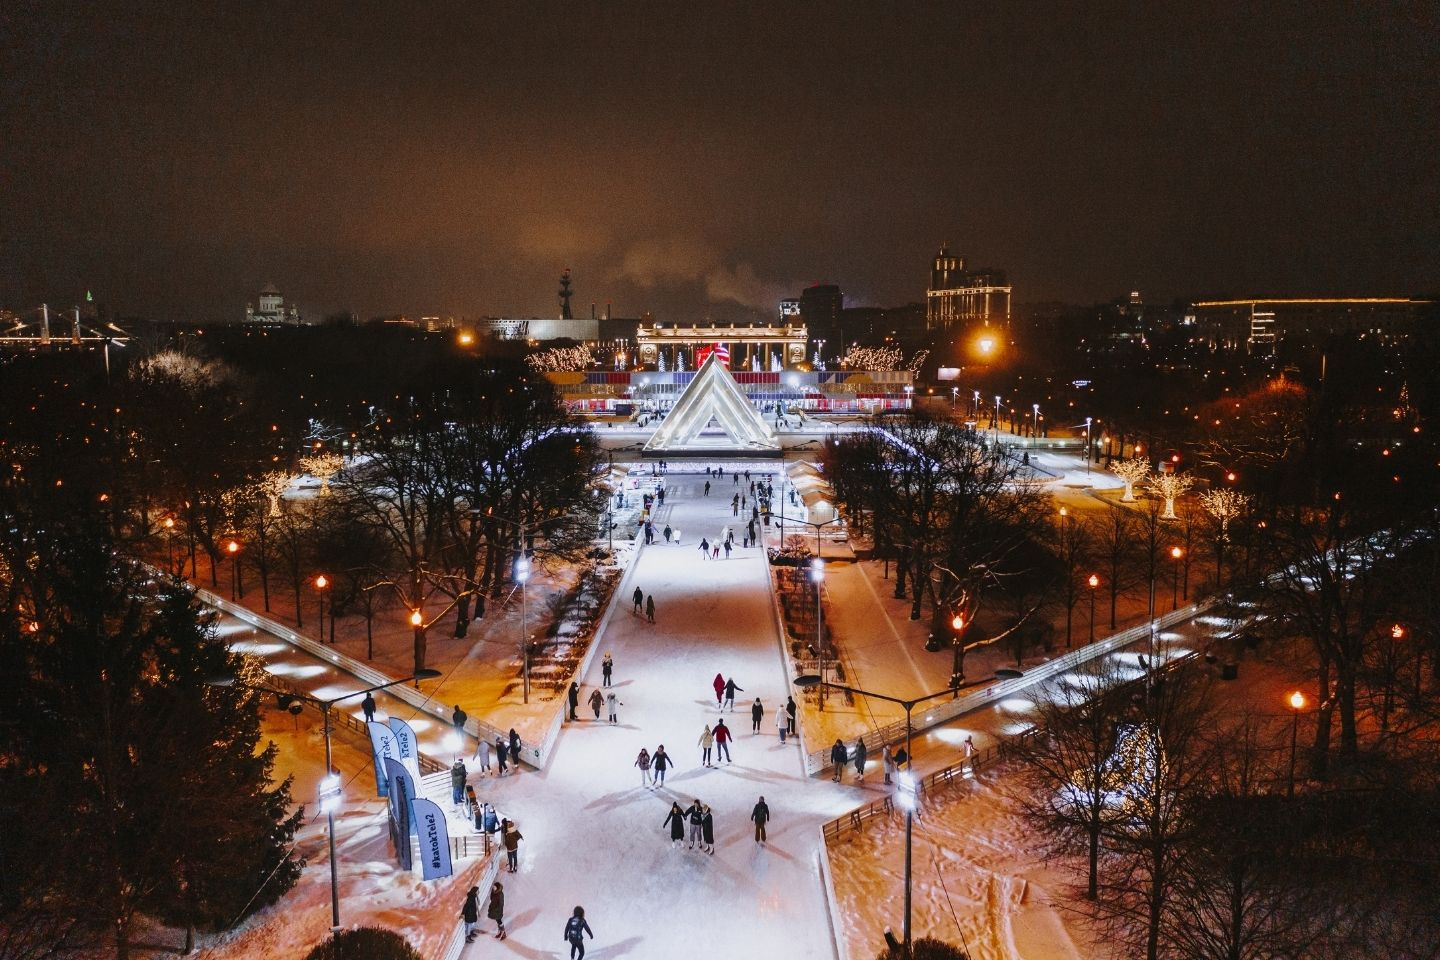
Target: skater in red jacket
719 686
722 741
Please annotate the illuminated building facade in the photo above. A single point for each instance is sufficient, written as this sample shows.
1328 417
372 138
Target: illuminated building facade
960 296
271 309
1259 325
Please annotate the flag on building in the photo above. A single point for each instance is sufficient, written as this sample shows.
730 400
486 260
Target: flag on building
722 355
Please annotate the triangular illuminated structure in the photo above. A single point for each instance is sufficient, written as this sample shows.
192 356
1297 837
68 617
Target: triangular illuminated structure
713 395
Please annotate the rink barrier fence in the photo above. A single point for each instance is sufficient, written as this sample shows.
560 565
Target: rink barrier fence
455 945
818 761
363 672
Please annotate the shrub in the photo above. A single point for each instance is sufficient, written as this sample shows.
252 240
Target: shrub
927 949
365 943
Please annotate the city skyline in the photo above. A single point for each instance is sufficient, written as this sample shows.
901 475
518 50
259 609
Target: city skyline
456 160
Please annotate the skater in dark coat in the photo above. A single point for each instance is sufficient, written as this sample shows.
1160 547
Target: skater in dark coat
719 685
676 822
458 718
838 756
607 666
497 908
515 748
650 608
757 713
859 758
368 705
761 816
574 698
707 831
511 837
695 814
597 700
790 714
639 597
660 762
574 927
470 913
704 548
730 690
500 754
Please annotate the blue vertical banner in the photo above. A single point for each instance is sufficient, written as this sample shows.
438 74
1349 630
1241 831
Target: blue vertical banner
401 791
407 749
434 838
382 745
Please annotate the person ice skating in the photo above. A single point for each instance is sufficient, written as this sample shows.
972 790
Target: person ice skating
715 552
676 822
510 835
761 816
500 752
730 690
574 699
368 705
667 532
695 815
887 760
457 781
607 666
790 714
757 713
707 830
489 819
969 748
639 597
611 701
838 756
496 911
781 725
458 718
719 685
722 740
704 548
728 544
707 741
650 608
470 913
643 762
596 701
482 754
660 762
515 749
677 536
707 488
574 927
859 758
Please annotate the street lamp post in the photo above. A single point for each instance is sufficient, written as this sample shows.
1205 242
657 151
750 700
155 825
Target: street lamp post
321 582
170 544
996 422
1089 444
1175 554
817 577
1093 582
1297 703
808 523
522 576
233 548
907 785
330 785
1034 425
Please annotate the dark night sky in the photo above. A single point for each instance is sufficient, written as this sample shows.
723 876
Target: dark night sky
706 159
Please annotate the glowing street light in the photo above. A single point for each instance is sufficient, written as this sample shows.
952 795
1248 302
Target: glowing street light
1093 582
233 548
522 577
1175 554
321 583
1297 703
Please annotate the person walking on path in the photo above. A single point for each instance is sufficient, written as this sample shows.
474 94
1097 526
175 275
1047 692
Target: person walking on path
496 911
790 714
730 690
887 760
470 913
704 548
660 762
676 822
482 754
707 831
458 774
574 927
696 816
458 718
368 705
781 724
643 762
650 608
515 749
597 700
667 532
761 816
707 741
719 685
969 748
607 666
757 713
610 703
859 759
722 741
574 699
639 597
500 752
838 756
511 837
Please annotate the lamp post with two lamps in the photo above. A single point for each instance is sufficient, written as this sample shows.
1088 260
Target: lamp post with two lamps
907 792
330 785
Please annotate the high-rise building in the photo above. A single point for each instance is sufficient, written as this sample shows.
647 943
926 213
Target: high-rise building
820 309
957 295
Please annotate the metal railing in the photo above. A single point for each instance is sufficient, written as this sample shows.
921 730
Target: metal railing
942 713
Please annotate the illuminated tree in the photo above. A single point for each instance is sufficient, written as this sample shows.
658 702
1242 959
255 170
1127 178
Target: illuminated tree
1170 487
323 466
1223 506
1131 471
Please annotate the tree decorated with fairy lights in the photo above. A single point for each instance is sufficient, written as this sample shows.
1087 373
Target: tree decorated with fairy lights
1170 487
323 467
1131 471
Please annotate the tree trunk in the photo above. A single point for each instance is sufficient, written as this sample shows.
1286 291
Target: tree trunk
1092 885
1320 755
